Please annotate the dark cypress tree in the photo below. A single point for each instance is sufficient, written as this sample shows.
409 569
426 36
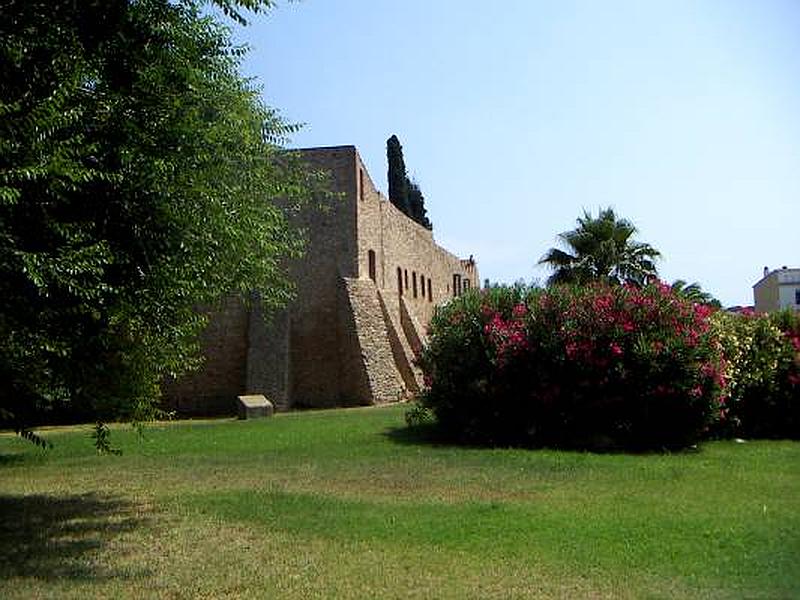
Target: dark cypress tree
398 180
416 202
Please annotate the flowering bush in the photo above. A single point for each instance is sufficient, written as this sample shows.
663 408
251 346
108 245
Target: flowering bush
586 366
763 369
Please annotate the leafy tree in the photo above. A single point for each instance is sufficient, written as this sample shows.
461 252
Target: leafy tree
398 179
601 249
694 293
136 168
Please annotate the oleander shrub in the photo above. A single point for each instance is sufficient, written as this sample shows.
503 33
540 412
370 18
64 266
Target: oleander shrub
762 354
592 366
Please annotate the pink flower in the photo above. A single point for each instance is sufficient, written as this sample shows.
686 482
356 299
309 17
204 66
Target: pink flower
519 311
572 349
702 311
615 349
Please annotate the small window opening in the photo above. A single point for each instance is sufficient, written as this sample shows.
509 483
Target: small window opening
430 292
414 283
405 276
399 281
371 264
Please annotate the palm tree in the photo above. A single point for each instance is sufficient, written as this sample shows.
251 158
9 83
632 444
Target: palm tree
601 249
694 293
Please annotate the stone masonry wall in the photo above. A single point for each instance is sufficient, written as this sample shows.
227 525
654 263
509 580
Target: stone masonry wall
383 377
213 389
400 243
319 337
352 332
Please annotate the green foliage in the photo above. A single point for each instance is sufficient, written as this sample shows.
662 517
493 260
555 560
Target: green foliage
102 440
404 193
593 366
601 249
397 176
762 355
694 293
136 168
232 8
416 203
419 416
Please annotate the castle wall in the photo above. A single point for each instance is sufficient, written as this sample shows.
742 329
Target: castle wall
321 340
213 389
401 243
268 352
353 331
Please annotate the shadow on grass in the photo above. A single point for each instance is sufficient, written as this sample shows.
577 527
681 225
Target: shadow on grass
58 537
11 459
426 435
431 435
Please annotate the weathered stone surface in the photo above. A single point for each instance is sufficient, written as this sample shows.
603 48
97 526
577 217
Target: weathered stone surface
384 380
254 406
356 324
212 390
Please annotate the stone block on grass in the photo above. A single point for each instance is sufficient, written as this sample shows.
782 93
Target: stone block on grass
254 406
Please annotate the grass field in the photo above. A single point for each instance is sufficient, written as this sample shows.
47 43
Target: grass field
345 504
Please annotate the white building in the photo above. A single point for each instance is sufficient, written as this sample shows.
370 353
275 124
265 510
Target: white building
777 290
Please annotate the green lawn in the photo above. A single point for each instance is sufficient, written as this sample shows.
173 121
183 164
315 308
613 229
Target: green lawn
343 504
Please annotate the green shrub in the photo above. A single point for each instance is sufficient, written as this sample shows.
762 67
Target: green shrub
594 366
762 354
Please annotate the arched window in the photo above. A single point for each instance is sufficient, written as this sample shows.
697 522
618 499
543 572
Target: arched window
371 264
414 283
399 281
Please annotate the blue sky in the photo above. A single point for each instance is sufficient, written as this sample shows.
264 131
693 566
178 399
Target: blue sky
515 116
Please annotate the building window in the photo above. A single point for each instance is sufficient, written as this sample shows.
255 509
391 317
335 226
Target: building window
399 281
414 283
361 184
422 284
456 285
466 284
430 290
371 264
405 276
797 297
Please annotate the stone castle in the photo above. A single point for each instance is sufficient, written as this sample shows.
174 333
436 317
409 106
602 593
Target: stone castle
366 289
